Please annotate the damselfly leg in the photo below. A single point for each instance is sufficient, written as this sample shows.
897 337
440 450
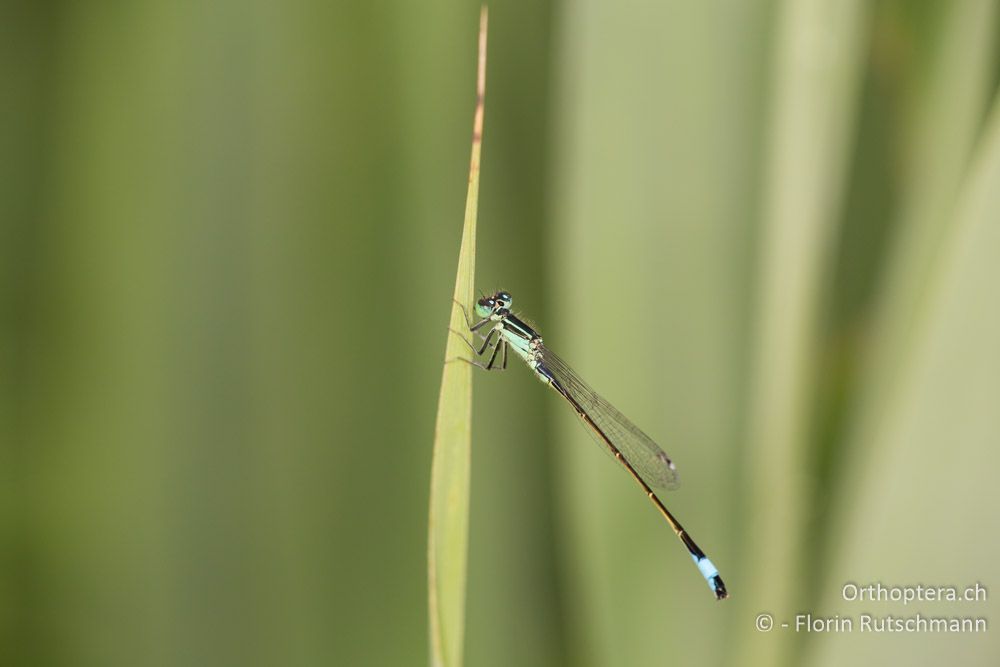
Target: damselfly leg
492 338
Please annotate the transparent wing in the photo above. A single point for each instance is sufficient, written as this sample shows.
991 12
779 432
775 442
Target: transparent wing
651 462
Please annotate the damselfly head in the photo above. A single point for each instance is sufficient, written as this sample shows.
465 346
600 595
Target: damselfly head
490 306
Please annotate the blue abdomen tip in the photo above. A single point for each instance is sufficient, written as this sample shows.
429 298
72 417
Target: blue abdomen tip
707 569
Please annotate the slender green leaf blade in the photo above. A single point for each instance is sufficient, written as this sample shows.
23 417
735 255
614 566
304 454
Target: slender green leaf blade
448 526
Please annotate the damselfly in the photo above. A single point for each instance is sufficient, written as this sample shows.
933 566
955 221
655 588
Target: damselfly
648 465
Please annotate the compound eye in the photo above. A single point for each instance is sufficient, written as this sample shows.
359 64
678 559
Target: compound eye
484 307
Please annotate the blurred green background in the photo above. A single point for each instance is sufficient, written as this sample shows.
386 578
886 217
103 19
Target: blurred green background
768 231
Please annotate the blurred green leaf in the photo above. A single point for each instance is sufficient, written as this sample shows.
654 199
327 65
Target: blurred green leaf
814 103
918 504
650 261
951 101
